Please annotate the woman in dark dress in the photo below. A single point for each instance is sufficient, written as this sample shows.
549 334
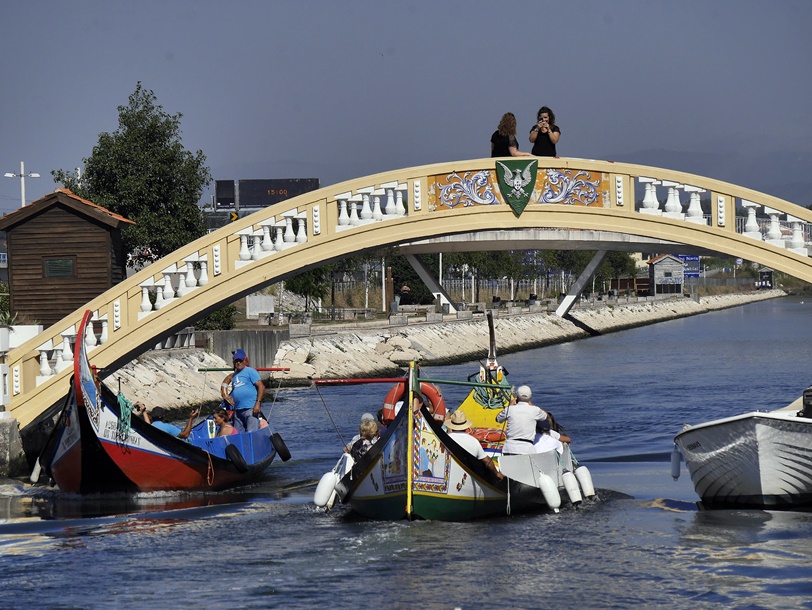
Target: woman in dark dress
503 140
545 134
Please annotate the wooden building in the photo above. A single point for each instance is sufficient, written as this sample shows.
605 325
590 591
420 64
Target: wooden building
666 275
63 251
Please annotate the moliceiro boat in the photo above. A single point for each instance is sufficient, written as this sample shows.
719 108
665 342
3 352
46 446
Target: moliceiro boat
761 459
416 470
100 445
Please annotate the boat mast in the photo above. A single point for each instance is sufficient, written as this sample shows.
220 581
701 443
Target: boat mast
410 442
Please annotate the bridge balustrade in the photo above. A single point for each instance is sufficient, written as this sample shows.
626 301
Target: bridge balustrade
387 209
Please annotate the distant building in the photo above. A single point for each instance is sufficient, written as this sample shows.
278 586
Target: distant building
666 275
765 279
63 251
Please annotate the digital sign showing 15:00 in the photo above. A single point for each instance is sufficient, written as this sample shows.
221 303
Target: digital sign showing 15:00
262 193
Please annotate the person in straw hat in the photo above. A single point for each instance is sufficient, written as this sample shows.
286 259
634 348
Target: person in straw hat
458 427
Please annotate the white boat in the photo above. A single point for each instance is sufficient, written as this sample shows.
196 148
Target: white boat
761 459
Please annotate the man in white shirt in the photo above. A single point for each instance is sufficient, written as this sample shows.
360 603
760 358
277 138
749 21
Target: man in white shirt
458 427
521 417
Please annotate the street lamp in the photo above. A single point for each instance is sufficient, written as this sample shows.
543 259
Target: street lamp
22 176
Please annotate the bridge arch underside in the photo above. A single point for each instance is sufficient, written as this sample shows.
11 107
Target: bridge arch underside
448 231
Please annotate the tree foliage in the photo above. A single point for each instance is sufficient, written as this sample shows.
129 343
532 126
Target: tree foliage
142 172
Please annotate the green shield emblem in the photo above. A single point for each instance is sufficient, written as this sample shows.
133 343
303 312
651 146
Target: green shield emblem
517 179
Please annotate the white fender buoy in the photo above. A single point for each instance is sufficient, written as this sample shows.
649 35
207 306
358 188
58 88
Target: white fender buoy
675 460
585 481
325 489
571 485
549 491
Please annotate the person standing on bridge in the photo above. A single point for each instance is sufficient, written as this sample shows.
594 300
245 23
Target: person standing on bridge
545 134
246 393
503 140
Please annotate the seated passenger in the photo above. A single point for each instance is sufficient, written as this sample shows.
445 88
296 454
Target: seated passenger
459 430
367 437
221 419
548 439
156 418
364 417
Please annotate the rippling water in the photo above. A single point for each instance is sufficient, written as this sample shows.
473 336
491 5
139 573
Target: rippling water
622 398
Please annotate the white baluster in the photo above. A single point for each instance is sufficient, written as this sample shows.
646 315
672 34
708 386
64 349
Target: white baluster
181 291
390 202
694 212
256 249
797 243
204 276
169 291
60 363
44 366
352 205
146 305
673 206
289 235
191 280
67 352
400 208
279 242
377 214
159 297
366 211
650 203
301 233
103 336
343 217
245 253
751 229
774 232
90 335
267 242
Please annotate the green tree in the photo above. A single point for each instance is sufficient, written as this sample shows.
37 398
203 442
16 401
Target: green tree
142 172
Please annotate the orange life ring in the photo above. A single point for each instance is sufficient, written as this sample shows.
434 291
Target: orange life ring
398 393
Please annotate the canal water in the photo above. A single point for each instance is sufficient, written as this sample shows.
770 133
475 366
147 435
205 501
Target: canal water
643 542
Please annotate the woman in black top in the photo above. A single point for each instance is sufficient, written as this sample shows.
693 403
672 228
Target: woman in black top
503 140
545 134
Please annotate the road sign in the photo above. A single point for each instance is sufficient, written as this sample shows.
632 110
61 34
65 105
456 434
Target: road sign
233 216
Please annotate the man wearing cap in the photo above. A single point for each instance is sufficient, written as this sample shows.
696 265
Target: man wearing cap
458 428
156 418
521 417
246 393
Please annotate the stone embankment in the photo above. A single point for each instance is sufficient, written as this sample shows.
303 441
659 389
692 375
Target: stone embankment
171 378
382 351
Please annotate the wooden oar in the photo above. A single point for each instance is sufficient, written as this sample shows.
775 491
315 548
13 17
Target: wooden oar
359 380
257 368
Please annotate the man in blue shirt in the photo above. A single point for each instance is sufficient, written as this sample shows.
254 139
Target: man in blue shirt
246 393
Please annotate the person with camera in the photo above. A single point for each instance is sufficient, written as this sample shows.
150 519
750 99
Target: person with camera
545 134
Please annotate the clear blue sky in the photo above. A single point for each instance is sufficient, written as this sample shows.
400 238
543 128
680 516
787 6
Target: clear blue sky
342 89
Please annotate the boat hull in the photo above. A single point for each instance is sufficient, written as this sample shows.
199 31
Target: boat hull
99 445
759 459
447 483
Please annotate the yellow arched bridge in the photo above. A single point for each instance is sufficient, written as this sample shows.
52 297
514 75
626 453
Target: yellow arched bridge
399 207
